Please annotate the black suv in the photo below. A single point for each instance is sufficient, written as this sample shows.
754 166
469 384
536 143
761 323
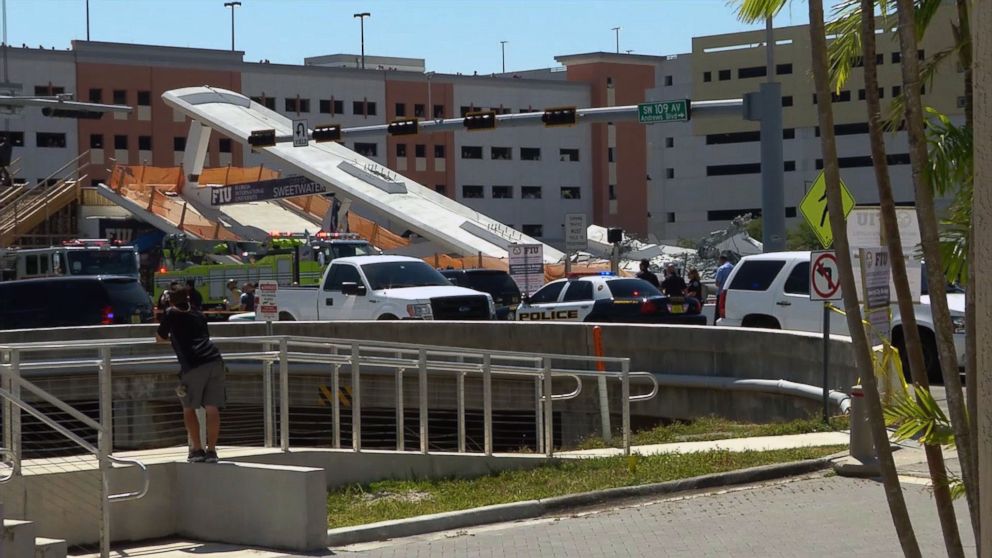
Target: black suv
73 301
499 284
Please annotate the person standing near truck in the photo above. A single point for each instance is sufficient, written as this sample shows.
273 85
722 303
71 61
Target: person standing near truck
202 372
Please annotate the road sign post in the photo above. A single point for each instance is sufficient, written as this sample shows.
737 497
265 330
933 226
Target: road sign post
679 110
824 284
814 208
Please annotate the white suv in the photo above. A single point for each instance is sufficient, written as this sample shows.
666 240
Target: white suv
772 291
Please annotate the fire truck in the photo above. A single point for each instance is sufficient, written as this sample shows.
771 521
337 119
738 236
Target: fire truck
73 257
289 258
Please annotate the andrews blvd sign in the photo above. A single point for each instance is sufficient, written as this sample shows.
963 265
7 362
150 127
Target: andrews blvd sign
664 111
273 189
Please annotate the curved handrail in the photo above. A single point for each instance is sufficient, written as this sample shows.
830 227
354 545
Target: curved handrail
571 395
145 480
645 396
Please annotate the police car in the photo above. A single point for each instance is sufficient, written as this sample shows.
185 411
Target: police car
607 298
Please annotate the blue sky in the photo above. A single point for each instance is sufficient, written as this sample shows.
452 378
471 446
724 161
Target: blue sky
452 35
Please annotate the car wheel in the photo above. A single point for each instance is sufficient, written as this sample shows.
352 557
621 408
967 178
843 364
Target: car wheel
286 317
387 317
766 322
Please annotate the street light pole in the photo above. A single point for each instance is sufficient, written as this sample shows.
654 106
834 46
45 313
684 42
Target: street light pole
361 18
87 20
617 31
232 5
502 45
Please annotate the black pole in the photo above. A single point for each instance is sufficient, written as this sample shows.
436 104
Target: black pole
296 264
826 361
87 20
232 28
362 19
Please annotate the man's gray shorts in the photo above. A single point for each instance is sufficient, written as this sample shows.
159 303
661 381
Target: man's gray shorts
204 385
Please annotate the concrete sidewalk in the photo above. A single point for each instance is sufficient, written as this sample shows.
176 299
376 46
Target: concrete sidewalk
757 443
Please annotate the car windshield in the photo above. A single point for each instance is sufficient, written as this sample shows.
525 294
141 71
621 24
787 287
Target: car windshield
492 283
102 262
347 250
632 288
395 275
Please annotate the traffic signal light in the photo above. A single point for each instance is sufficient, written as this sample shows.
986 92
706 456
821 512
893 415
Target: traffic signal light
480 120
327 132
71 113
560 116
403 127
262 138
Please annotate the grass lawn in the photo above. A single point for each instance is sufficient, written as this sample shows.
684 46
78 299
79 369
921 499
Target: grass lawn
715 428
385 500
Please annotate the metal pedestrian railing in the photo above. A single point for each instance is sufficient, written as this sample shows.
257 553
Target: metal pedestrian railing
275 357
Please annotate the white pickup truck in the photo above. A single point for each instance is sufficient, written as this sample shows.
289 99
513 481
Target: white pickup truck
772 291
383 288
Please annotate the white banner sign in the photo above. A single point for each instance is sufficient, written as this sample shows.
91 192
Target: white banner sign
875 277
576 237
527 266
266 308
864 230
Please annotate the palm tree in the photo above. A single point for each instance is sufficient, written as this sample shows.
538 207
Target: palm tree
930 239
913 343
754 10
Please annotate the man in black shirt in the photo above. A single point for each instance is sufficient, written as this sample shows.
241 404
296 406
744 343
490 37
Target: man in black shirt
195 298
647 275
202 372
673 285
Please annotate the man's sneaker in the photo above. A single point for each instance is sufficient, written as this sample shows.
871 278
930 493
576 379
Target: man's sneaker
210 456
198 456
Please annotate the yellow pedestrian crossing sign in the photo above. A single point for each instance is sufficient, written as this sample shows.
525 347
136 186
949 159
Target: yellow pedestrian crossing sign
814 208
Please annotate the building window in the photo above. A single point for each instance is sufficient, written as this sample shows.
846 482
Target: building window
788 133
921 54
670 217
842 97
707 76
324 105
610 155
419 110
728 170
370 108
267 102
571 193
962 102
751 72
502 192
612 193
896 57
530 192
15 139
530 153
441 189
43 139
47 90
730 214
120 97
861 94
536 231
438 111
96 141
358 107
568 155
733 137
96 95
896 90
669 142
502 153
668 81
144 98
367 149
179 143
669 173
400 109
420 150
400 150
790 166
787 100
471 152
783 69
297 105
724 75
224 145
467 109
120 142
472 192
144 143
439 151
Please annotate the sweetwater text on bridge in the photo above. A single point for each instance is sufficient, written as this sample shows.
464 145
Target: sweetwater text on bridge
275 188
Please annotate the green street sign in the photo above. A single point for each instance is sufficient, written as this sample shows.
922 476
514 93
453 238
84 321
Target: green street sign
664 111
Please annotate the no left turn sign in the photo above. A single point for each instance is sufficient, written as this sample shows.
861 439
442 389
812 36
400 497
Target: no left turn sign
824 276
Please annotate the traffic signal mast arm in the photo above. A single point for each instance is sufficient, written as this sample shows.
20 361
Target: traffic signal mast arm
586 115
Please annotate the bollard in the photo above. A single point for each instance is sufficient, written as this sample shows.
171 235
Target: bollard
863 461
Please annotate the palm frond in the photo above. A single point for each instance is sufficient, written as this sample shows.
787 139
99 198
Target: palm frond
751 11
844 51
919 417
925 12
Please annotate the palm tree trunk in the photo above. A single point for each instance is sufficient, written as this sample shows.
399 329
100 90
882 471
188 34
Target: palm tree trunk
893 491
911 334
930 235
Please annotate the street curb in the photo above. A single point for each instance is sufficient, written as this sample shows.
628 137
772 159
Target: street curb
530 509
